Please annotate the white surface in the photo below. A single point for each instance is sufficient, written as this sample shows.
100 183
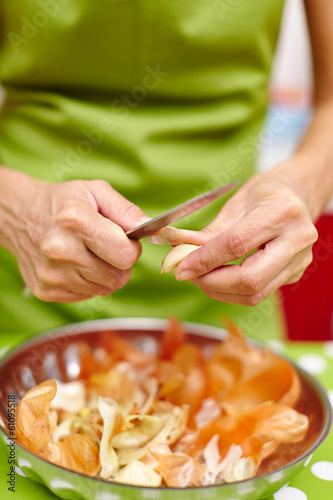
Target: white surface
292 67
330 397
313 363
323 470
288 493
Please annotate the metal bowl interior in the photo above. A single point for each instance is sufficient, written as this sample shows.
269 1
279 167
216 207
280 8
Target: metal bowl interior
55 354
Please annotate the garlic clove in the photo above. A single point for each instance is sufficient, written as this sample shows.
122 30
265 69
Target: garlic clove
176 255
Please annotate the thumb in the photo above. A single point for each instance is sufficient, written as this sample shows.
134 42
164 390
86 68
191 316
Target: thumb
231 213
116 207
227 217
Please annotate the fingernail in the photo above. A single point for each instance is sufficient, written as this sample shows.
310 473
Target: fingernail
185 275
158 239
142 220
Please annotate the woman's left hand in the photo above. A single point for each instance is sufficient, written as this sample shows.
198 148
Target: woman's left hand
268 216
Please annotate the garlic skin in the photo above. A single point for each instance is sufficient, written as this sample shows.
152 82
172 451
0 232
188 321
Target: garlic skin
144 428
176 255
70 396
112 418
137 473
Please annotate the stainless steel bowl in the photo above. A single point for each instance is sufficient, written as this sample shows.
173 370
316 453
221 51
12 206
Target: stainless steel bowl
54 354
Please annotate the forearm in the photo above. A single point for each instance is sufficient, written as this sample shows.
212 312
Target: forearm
15 187
311 168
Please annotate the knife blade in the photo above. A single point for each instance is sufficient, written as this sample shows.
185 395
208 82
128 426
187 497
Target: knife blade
180 211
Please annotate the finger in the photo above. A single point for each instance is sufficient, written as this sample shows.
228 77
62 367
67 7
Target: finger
247 235
103 237
59 295
292 273
251 232
63 296
81 285
295 277
115 207
73 254
51 277
229 214
252 275
173 236
226 218
95 270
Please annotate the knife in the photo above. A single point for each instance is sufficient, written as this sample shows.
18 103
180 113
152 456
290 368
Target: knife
180 211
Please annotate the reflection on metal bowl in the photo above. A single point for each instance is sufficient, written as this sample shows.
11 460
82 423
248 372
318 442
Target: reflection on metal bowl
54 355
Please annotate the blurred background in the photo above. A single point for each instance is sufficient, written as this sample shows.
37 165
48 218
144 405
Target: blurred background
309 303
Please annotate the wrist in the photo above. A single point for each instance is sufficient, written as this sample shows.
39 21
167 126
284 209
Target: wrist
297 173
17 190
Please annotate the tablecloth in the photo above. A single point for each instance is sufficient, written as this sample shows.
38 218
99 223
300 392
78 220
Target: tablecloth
314 482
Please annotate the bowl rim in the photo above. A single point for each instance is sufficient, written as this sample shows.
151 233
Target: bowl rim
199 329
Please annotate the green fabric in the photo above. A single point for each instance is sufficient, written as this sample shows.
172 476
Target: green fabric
162 98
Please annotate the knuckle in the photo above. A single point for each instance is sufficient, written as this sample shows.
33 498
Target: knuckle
210 231
100 183
42 294
307 261
108 291
293 207
211 295
48 279
43 276
236 245
200 265
254 300
70 216
250 284
53 248
296 277
313 235
126 257
130 210
123 278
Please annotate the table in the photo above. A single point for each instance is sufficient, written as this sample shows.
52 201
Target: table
314 482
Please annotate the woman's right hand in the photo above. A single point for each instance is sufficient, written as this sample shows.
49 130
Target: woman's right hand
68 238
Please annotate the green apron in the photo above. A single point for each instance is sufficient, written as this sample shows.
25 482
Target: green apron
164 99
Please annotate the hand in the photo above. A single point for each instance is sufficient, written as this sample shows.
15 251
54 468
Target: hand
69 239
267 215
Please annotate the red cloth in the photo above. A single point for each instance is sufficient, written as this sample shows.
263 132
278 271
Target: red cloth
308 304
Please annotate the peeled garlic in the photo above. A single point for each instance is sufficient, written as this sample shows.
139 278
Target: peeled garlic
176 255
